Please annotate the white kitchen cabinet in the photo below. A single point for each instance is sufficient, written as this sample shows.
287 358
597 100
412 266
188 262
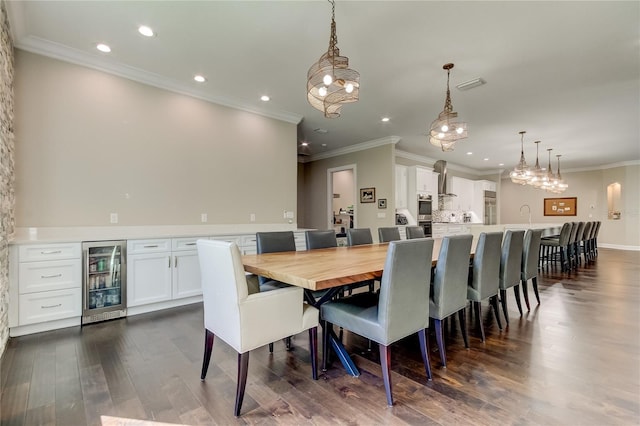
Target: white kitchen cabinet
425 182
401 187
45 287
421 181
162 270
464 189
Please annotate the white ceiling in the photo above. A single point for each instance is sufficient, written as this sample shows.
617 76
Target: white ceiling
566 72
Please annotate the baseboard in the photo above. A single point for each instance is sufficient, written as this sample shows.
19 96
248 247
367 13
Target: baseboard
619 247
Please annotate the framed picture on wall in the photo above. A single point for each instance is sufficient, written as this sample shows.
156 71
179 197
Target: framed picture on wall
382 203
561 206
367 195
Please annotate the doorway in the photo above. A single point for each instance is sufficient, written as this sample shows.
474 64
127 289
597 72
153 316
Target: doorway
341 198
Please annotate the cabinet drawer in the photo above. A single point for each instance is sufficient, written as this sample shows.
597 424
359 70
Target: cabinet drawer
50 305
38 252
53 275
148 246
188 243
229 238
248 244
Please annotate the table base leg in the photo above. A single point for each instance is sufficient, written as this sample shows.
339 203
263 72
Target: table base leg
343 356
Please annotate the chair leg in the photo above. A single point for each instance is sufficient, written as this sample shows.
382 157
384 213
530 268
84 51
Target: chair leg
313 348
325 344
462 315
208 348
424 351
525 293
534 284
516 292
494 305
440 340
243 368
270 347
503 301
385 362
478 308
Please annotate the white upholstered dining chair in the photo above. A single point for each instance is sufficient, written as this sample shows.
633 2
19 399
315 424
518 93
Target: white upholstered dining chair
247 321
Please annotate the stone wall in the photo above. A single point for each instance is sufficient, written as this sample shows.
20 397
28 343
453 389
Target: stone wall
7 200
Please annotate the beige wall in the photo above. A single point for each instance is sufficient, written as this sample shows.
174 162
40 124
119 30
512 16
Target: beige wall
590 188
89 144
374 168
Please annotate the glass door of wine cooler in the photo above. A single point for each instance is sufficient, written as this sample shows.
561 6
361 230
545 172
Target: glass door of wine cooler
104 295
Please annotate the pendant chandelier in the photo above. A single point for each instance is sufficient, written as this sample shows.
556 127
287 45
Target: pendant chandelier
447 129
330 81
553 183
538 176
560 184
549 183
521 174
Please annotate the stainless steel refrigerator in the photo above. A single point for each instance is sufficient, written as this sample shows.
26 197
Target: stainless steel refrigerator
490 208
104 281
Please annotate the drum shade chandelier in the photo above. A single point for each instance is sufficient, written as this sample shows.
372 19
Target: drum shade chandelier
447 129
538 177
330 81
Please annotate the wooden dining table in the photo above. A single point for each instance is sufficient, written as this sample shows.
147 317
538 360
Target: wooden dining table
328 269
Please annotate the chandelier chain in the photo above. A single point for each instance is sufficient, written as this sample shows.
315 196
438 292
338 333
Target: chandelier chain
448 107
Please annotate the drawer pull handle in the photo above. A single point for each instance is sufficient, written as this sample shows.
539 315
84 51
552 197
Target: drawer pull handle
51 306
190 244
151 246
51 276
51 252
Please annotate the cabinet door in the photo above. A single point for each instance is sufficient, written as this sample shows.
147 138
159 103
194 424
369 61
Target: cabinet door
401 187
148 278
186 274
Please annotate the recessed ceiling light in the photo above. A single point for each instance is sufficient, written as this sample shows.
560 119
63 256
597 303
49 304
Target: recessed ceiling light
265 98
103 48
500 164
199 78
145 31
469 153
323 131
324 144
385 119
485 159
471 84
305 144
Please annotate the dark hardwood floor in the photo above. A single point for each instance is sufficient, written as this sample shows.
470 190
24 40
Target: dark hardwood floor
575 359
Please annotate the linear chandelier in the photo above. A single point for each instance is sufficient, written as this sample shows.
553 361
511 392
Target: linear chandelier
537 177
330 81
447 129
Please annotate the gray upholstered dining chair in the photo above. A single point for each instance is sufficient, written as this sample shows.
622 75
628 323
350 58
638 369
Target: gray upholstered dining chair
529 265
320 239
510 267
274 242
400 309
449 293
244 320
415 232
388 234
359 236
484 276
586 238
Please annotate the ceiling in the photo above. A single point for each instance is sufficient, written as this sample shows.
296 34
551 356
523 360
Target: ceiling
566 72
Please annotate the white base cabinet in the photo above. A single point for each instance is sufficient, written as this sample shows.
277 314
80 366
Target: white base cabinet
45 287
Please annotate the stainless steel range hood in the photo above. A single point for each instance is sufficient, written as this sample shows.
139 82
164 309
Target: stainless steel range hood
440 167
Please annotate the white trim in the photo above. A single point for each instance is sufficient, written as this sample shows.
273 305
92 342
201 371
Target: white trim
354 148
44 326
618 247
143 309
450 166
604 166
64 53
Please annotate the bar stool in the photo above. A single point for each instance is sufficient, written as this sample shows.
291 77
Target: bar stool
586 238
530 253
576 245
555 248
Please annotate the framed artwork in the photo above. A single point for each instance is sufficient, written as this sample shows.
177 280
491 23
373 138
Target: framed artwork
561 206
382 203
367 195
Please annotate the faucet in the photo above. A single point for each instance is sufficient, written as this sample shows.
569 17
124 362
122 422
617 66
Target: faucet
529 208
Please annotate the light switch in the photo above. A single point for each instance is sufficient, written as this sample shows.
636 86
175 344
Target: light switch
382 215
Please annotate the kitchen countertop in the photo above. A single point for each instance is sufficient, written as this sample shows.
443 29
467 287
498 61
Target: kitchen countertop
105 233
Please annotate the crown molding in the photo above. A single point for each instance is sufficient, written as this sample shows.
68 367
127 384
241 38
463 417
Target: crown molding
604 166
354 148
450 166
64 53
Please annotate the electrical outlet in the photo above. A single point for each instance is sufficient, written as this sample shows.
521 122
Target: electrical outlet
252 217
203 217
114 218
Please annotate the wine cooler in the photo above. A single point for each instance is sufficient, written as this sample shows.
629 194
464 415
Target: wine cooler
104 281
